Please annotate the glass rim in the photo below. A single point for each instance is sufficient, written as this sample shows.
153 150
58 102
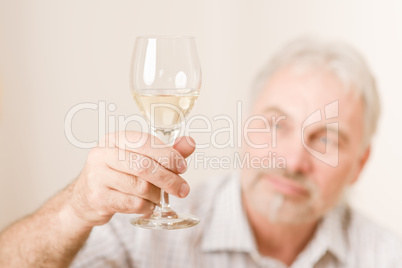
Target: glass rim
154 36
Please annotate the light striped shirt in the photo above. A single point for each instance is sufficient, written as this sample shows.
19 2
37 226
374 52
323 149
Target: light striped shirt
223 238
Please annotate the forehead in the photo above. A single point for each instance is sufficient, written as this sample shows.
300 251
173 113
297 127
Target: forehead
307 90
299 93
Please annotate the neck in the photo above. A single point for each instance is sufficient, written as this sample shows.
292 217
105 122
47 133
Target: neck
281 241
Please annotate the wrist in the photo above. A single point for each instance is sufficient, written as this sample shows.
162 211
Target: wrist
68 216
69 219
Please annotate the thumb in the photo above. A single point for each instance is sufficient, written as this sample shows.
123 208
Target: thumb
185 146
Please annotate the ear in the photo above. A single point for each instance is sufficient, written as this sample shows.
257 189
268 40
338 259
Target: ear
362 162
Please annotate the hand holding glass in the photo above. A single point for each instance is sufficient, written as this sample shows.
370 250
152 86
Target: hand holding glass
165 81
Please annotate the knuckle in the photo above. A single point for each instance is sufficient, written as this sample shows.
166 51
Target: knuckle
143 166
143 187
178 161
95 154
138 204
142 170
114 204
123 207
171 183
133 183
131 139
91 175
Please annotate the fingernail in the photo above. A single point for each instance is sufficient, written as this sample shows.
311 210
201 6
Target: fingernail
181 165
184 189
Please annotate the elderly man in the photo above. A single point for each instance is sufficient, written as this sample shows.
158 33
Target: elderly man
316 107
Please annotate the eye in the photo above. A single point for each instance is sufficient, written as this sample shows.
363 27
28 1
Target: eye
281 125
327 140
324 140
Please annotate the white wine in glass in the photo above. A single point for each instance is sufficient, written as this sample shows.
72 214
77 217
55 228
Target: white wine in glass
165 82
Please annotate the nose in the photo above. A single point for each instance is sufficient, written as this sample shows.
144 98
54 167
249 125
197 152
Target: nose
298 159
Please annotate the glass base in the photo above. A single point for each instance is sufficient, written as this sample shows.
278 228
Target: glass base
165 220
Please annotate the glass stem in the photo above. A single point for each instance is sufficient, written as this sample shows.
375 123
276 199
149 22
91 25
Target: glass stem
168 137
165 206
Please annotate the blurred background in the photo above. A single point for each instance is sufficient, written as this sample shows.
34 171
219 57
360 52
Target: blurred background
57 54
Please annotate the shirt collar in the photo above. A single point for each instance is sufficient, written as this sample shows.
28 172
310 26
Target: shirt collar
334 232
228 228
331 236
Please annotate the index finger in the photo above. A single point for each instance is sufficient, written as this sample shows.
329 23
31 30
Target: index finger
142 167
147 145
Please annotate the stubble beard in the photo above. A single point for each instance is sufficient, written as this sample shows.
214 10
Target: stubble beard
279 208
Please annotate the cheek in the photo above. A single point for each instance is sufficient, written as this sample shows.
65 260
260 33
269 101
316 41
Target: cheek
260 144
248 177
332 182
253 155
257 143
261 136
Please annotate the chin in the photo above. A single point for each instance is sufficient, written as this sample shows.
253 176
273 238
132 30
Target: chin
282 210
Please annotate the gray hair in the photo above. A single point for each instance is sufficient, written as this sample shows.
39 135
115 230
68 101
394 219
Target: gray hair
341 60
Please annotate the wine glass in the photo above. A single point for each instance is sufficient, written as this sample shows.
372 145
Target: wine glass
165 82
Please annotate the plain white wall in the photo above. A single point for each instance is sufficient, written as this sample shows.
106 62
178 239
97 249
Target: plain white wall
57 54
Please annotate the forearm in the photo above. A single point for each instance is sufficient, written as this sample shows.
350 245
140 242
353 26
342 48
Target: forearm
51 237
